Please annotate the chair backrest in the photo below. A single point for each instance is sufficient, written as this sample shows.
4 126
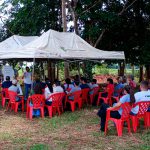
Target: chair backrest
77 95
143 107
12 96
57 99
95 91
85 93
5 93
126 108
37 100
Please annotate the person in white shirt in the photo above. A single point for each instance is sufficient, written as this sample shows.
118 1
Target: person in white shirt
27 82
143 95
57 87
47 93
50 90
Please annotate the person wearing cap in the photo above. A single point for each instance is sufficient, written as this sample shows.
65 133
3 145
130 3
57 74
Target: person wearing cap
27 82
7 83
15 88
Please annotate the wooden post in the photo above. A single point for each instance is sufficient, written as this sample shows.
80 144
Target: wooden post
141 78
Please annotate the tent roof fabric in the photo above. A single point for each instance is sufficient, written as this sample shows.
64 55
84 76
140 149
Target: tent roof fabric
59 45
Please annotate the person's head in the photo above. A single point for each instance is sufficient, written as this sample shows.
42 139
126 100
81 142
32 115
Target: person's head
127 89
76 83
83 80
14 82
144 86
37 78
109 81
37 89
27 69
119 79
7 78
57 83
94 81
130 78
68 81
76 77
49 85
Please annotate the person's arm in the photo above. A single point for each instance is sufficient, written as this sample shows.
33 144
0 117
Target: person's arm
116 106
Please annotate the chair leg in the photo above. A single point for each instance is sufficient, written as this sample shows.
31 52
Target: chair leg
50 112
16 107
72 107
30 112
134 123
42 112
129 126
119 128
22 106
3 102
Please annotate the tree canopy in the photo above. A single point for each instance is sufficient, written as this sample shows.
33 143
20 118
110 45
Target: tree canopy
106 24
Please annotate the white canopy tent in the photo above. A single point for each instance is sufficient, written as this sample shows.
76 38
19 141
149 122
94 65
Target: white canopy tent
57 45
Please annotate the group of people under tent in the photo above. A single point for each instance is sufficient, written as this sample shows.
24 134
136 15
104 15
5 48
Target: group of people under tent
126 85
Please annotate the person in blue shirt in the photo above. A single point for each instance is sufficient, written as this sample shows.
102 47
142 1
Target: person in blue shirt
74 89
84 84
115 114
7 83
118 87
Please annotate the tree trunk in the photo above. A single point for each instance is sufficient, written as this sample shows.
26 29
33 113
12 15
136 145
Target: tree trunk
64 24
133 71
141 74
51 71
121 69
147 72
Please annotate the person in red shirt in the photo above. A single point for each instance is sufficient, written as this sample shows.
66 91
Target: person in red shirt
109 88
131 82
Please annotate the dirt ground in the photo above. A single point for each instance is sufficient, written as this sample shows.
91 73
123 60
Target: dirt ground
70 131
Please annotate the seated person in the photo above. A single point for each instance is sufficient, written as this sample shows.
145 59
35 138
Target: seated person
37 89
48 91
143 95
7 83
93 85
68 86
118 87
15 89
83 84
109 88
131 82
57 87
76 88
114 114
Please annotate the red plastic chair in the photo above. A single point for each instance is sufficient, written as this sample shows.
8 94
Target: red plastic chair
143 107
37 101
56 104
126 108
85 93
147 115
77 99
13 103
92 96
5 96
107 99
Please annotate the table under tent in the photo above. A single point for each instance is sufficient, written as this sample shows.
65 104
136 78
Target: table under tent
53 46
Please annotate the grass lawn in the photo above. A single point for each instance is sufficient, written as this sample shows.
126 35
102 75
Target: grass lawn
70 131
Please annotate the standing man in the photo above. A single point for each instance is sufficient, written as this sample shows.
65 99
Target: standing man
27 82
